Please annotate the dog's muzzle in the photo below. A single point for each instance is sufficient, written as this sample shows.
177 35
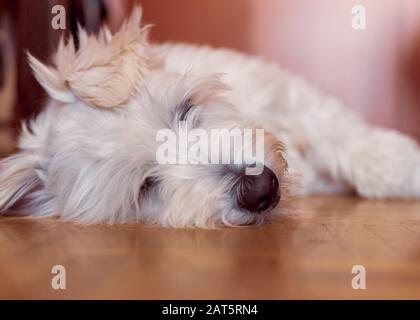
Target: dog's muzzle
257 193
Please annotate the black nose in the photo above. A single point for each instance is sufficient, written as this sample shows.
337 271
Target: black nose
258 193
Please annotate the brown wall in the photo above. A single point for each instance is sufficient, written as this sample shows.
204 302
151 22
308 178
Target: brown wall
373 71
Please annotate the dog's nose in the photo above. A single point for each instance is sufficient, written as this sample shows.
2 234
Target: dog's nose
258 193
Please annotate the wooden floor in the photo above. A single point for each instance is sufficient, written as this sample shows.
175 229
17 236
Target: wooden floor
308 253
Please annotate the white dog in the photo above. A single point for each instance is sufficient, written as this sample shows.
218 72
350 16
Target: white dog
90 156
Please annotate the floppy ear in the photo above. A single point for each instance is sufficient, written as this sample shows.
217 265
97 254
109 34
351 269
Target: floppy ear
18 176
104 72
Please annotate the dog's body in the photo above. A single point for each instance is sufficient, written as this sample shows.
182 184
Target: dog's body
91 155
329 148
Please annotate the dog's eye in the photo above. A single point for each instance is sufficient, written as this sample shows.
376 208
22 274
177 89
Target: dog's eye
186 107
148 184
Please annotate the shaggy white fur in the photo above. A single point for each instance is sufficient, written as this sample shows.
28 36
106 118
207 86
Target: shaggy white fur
90 156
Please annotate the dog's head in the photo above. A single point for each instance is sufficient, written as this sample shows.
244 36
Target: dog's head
125 139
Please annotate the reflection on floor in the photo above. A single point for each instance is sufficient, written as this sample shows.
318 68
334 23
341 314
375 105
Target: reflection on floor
308 253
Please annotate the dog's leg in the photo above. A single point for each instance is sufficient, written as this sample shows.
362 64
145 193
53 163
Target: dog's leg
377 163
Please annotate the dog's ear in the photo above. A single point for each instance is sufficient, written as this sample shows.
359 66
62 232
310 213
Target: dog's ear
104 72
18 177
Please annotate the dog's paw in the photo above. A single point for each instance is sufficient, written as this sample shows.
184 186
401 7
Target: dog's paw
387 166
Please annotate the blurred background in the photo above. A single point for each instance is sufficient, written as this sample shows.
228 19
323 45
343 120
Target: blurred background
375 71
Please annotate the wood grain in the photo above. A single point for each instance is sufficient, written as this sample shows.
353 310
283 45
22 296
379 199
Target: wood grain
307 253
